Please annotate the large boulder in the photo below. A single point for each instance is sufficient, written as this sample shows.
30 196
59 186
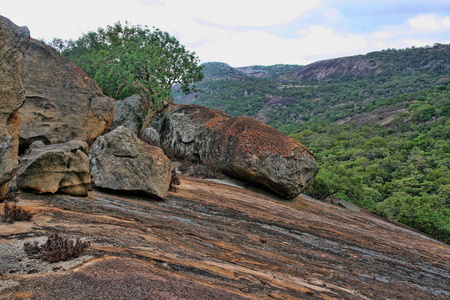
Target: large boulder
13 44
129 113
55 168
242 147
62 102
120 161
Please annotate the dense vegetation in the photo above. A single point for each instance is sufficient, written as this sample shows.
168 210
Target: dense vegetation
126 60
399 170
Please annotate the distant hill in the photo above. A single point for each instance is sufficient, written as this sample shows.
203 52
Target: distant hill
379 125
329 90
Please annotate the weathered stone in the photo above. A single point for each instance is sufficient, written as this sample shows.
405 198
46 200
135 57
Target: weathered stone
151 136
62 102
129 113
13 44
120 161
243 148
55 168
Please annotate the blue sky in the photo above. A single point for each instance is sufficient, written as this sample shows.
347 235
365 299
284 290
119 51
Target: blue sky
251 32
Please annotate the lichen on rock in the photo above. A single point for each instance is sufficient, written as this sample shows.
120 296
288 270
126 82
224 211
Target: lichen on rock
243 148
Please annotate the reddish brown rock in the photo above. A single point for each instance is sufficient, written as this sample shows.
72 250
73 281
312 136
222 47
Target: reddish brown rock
243 148
62 102
13 44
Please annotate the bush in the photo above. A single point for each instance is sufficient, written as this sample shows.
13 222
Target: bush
15 213
56 249
423 113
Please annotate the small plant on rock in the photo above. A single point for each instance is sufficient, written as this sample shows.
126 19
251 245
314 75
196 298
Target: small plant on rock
15 213
56 249
174 181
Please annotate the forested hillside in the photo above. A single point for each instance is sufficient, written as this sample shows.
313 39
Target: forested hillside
378 124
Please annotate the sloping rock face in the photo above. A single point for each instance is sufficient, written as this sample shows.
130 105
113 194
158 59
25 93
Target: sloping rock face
129 113
215 241
120 161
62 102
13 44
243 147
55 168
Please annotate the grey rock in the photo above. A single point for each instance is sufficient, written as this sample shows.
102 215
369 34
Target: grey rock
129 113
151 136
120 161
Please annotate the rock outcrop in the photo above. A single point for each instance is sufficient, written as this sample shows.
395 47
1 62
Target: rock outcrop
62 102
120 161
336 68
129 113
13 44
243 148
55 168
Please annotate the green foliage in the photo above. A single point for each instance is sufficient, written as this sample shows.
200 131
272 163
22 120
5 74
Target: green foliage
400 175
399 170
423 113
126 60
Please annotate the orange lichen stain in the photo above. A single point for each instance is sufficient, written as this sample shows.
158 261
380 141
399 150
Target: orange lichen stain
23 295
262 139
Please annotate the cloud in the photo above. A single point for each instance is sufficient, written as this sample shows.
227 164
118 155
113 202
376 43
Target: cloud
430 22
248 32
252 13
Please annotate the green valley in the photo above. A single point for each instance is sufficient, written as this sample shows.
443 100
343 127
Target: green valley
378 124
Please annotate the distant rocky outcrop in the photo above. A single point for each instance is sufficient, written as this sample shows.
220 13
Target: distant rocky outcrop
243 148
13 44
381 116
62 102
120 161
338 67
129 113
55 168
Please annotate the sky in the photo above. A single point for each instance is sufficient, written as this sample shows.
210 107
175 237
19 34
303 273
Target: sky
250 32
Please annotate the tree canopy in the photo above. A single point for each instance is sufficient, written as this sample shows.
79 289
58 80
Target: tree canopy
128 59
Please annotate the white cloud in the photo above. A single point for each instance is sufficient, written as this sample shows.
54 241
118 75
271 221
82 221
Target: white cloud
429 22
233 31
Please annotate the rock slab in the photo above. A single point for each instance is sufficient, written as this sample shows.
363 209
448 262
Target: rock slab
243 148
120 161
13 44
55 168
62 102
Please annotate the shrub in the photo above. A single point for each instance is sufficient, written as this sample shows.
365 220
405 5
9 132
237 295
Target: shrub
15 213
56 249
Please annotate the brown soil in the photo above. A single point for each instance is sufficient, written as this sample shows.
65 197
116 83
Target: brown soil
215 241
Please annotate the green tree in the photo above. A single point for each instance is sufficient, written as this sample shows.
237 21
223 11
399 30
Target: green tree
127 59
